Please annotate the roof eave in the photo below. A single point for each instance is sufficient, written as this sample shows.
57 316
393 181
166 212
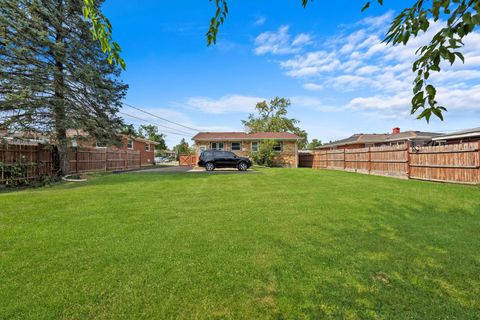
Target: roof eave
457 136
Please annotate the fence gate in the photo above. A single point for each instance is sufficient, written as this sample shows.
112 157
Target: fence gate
188 160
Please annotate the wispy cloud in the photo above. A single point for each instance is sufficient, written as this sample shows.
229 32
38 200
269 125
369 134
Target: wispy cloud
260 21
313 86
377 75
226 104
280 42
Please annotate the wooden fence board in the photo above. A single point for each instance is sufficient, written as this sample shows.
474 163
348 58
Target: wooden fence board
38 161
187 160
451 163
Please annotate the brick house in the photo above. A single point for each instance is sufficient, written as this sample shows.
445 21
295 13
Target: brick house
397 137
144 146
244 144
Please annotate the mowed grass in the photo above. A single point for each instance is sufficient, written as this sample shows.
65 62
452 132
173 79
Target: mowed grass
279 243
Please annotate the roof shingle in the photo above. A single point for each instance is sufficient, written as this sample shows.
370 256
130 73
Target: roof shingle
226 136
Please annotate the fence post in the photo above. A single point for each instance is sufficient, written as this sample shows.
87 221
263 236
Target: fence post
478 163
37 161
344 160
408 159
76 159
369 160
106 159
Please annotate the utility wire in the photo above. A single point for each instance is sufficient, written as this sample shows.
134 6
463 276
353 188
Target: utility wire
154 123
160 125
154 115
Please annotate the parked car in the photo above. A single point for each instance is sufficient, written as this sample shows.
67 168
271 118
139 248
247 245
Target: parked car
223 159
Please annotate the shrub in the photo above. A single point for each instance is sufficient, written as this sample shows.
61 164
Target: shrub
265 155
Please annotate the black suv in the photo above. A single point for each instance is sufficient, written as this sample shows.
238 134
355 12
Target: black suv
223 159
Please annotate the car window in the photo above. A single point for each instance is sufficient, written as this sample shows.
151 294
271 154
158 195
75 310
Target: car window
229 155
206 154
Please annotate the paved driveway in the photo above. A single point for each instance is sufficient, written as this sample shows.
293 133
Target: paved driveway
166 169
175 169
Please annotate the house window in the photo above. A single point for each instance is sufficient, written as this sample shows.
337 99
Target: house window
217 146
130 144
147 147
236 146
278 146
100 145
255 146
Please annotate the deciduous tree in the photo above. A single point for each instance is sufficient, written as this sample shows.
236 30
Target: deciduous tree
272 117
150 132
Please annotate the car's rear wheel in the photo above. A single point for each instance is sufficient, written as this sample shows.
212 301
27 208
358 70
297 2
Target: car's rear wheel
210 166
242 166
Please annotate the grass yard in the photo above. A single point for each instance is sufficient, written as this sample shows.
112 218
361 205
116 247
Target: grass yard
280 243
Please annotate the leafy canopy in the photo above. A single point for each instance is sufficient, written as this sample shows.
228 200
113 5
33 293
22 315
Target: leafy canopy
150 132
313 144
272 117
183 148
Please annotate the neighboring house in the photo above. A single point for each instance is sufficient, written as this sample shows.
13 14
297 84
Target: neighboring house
470 135
145 146
24 138
79 138
416 138
243 144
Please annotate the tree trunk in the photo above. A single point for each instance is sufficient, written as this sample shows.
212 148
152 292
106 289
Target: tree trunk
59 89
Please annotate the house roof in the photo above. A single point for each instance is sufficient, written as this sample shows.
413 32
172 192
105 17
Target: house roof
379 138
469 133
238 136
73 133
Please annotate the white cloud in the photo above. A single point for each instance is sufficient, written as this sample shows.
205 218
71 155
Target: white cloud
225 104
302 39
313 86
311 64
358 63
398 105
260 21
280 42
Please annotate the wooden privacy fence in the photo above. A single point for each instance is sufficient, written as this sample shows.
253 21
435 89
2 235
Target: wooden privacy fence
102 159
458 163
29 162
23 162
187 160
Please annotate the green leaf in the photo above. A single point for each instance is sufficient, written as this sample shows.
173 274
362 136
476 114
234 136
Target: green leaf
431 91
366 6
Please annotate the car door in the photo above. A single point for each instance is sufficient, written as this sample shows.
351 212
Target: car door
229 160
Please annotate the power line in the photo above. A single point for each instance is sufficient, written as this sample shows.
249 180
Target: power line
154 115
154 123
160 125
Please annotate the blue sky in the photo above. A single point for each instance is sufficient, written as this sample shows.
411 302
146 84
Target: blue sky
328 59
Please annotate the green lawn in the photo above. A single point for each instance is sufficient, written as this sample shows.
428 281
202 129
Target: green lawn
280 243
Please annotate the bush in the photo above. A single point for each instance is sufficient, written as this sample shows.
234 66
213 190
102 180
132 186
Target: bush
265 155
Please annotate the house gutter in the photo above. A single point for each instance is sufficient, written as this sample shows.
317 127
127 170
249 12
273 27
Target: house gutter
458 136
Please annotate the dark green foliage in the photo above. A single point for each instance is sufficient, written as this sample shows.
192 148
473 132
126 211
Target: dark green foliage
150 132
272 117
265 155
129 130
182 148
313 144
53 75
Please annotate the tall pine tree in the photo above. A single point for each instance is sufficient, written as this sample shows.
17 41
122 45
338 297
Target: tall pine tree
53 75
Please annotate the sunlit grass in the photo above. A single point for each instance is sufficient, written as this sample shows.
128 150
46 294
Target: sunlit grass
279 243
